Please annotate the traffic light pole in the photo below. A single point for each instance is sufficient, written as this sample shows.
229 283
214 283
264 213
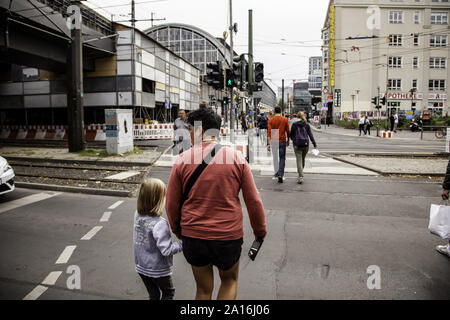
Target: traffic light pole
231 66
379 112
251 157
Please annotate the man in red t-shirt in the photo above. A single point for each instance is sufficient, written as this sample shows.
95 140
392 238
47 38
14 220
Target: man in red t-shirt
278 139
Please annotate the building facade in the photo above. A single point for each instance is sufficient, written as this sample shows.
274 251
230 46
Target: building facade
315 79
147 77
388 48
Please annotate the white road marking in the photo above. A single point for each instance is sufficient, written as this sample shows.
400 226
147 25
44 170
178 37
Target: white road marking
106 216
92 233
36 293
123 175
65 255
27 200
115 205
52 278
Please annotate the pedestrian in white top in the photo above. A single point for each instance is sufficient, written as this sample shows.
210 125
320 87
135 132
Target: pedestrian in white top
395 122
362 125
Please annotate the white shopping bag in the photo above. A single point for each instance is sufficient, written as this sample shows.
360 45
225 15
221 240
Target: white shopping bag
315 152
440 221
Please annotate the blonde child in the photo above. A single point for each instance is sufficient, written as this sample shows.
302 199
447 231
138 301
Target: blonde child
153 246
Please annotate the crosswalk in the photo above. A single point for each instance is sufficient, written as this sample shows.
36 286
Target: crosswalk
263 163
27 200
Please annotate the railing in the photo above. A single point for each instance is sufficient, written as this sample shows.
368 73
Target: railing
443 130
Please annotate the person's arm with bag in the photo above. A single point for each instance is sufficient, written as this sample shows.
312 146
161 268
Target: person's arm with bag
446 184
253 202
308 129
173 197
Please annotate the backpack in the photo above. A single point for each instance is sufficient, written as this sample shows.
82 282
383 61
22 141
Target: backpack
301 137
263 123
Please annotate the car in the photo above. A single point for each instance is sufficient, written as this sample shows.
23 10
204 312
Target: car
6 177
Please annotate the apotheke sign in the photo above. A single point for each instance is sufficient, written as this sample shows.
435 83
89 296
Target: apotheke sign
403 96
415 96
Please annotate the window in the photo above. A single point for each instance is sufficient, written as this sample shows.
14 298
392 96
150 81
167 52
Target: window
325 74
395 17
435 85
148 85
395 84
439 18
395 40
416 17
174 34
395 62
325 56
437 63
415 62
186 34
438 40
325 37
414 84
416 39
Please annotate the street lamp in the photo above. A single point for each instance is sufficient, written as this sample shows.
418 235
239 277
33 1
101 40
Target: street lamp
353 101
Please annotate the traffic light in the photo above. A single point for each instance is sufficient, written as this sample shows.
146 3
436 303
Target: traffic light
375 101
230 79
259 72
214 78
383 101
224 101
240 71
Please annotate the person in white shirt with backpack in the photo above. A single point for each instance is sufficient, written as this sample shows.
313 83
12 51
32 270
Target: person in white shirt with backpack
300 135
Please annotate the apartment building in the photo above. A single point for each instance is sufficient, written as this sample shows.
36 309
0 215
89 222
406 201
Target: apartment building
398 49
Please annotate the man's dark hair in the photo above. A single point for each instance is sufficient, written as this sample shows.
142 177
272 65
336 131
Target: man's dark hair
209 119
277 109
203 105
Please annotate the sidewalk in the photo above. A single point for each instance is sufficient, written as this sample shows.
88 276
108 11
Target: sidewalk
400 135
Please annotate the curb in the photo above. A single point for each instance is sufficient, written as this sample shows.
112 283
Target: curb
52 187
393 155
357 165
383 173
368 137
91 162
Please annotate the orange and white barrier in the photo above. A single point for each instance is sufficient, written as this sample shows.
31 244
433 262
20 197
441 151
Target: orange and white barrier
387 134
93 132
153 131
225 131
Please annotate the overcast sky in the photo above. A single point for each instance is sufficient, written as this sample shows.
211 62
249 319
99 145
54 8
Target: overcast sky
286 32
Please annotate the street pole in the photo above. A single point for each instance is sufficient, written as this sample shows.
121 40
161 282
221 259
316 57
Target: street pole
282 96
378 111
250 82
387 89
288 103
75 110
353 103
231 28
133 54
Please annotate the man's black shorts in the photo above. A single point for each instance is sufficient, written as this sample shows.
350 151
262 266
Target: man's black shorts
222 253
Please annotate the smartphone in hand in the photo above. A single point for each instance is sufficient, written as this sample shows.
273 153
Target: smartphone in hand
255 248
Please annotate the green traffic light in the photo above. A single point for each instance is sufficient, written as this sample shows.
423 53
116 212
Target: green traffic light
229 82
